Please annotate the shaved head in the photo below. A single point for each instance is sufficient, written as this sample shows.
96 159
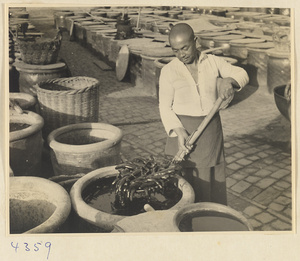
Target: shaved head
183 43
180 32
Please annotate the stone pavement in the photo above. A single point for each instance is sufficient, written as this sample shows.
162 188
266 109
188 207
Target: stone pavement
257 140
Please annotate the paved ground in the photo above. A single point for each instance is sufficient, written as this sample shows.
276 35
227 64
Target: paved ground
257 139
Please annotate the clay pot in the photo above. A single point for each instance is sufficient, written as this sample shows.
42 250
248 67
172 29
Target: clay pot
105 220
24 100
283 104
83 147
37 205
212 217
30 75
25 143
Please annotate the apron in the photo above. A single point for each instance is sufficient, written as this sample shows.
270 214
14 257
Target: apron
208 149
204 167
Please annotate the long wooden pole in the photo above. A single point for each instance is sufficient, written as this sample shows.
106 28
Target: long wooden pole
195 135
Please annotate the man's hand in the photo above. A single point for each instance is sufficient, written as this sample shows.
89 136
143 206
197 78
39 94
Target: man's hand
182 137
226 87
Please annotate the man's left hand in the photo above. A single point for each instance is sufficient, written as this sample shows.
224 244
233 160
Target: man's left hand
225 88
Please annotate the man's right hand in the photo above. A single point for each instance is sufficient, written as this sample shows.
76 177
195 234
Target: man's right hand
182 137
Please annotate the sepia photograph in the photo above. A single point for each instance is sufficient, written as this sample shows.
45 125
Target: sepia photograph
128 120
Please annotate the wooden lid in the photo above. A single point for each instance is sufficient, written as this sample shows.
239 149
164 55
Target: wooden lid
228 37
265 45
150 34
238 42
108 19
79 19
208 36
63 13
158 52
162 38
139 44
260 36
106 31
122 62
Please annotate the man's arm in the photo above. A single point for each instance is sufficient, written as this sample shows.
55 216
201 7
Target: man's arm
166 97
238 77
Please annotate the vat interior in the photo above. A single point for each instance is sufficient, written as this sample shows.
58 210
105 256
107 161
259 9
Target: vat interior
280 92
22 121
201 220
54 87
16 126
22 102
84 136
100 194
26 214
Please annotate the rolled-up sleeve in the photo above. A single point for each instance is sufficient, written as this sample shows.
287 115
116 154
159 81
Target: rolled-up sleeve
228 70
166 98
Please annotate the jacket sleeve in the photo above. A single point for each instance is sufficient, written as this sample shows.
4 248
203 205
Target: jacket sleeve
166 97
228 70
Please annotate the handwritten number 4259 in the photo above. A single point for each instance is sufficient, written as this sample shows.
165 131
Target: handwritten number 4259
36 247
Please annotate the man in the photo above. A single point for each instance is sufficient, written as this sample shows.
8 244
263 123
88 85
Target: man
189 86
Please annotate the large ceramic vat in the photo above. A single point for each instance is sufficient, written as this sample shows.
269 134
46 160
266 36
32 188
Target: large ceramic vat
104 220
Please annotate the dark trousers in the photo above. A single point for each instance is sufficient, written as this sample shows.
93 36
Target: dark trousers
204 167
209 184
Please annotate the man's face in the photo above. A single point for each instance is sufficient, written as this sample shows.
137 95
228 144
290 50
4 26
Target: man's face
184 49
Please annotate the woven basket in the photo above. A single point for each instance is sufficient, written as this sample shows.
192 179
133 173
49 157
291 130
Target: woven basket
66 101
41 51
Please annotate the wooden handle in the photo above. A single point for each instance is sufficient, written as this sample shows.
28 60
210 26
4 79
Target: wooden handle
206 120
195 135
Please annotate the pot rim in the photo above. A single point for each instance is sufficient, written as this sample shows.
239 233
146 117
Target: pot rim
61 199
35 69
30 99
209 206
55 145
36 121
275 54
100 218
